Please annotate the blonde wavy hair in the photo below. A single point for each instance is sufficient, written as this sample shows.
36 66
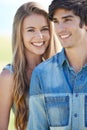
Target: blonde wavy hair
21 83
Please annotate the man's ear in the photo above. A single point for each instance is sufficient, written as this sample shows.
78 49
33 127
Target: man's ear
86 27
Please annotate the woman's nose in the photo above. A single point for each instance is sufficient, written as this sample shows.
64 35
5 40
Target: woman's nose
39 34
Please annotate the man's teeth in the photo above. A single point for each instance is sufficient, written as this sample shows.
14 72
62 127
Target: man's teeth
38 44
64 36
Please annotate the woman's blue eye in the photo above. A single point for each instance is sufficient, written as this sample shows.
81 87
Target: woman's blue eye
45 29
30 30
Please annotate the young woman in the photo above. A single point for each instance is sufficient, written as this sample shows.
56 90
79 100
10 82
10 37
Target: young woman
32 42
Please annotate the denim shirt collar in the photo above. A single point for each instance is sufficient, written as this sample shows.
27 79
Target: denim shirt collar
62 58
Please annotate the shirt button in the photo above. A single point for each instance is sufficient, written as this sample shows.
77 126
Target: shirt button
76 95
75 115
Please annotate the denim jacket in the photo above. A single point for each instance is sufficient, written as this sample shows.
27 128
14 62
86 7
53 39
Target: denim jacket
58 96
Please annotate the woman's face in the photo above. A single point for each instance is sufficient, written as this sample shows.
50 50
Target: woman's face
35 32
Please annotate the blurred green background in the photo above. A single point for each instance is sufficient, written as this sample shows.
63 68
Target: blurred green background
5 58
5 50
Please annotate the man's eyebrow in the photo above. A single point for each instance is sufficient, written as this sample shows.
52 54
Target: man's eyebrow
68 16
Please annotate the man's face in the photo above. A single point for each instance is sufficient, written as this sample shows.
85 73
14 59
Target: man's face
67 26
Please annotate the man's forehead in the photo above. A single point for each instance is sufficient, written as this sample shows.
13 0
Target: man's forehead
63 13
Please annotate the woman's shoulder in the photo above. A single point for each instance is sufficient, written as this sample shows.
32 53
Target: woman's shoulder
6 89
6 77
8 67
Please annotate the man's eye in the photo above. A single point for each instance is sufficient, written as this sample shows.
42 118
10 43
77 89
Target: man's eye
55 20
66 20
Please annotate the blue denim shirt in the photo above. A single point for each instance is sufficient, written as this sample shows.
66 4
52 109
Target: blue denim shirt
58 96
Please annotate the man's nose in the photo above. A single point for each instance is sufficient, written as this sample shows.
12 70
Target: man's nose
60 27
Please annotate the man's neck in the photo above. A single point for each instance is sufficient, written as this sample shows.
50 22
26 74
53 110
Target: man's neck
77 59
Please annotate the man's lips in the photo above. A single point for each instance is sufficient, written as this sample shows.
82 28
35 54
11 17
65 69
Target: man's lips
64 36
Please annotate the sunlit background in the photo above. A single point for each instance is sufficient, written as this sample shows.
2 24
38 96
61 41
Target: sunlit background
7 12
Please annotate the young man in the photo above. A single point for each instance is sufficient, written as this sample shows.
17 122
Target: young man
58 91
